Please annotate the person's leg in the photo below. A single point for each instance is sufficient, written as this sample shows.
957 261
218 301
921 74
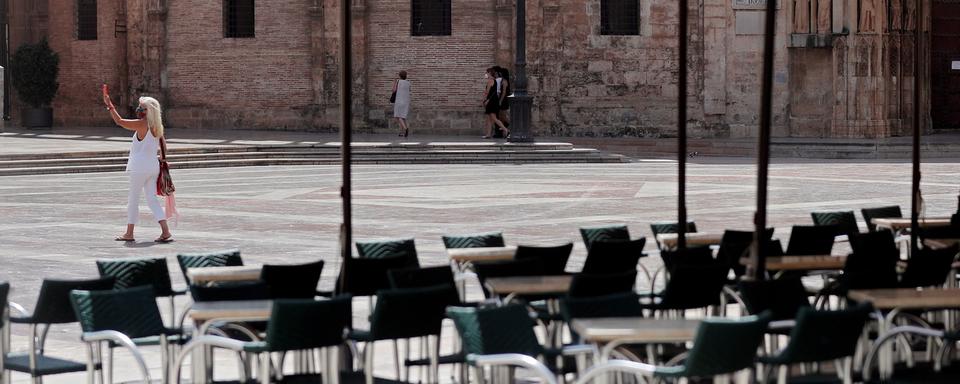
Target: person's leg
487 130
150 192
403 126
133 205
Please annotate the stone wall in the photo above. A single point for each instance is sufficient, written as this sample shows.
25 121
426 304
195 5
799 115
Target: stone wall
836 75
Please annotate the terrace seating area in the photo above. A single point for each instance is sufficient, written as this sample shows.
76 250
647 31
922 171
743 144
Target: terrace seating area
503 311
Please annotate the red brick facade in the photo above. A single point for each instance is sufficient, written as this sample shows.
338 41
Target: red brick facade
583 83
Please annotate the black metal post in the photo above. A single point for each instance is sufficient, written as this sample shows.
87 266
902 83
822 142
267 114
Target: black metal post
521 103
346 124
682 127
915 200
763 147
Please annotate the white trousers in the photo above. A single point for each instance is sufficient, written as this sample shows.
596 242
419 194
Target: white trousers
147 184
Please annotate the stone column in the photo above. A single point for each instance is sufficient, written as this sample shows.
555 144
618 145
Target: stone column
361 98
120 53
521 103
155 68
504 33
317 59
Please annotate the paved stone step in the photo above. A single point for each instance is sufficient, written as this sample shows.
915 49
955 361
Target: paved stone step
322 161
178 158
359 147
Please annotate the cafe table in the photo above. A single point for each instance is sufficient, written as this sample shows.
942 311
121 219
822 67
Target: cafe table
462 260
551 286
212 275
669 240
897 224
895 300
207 313
612 332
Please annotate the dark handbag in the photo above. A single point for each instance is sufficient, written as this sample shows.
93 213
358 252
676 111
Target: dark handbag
393 96
164 181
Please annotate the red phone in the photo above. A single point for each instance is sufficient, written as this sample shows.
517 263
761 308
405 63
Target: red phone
104 88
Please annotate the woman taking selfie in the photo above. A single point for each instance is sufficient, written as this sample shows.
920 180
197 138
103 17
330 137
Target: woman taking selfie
143 167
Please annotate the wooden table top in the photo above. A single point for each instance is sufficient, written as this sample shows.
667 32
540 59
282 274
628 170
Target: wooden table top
939 243
805 262
223 274
638 329
529 285
899 223
669 240
244 309
909 298
482 254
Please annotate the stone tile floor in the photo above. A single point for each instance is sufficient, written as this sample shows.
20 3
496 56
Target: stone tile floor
58 225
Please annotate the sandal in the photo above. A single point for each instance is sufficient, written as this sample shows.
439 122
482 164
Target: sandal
168 239
126 239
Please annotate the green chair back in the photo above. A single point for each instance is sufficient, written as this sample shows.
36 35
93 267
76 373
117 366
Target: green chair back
226 258
615 305
824 335
405 248
658 228
54 303
614 256
132 312
604 233
591 285
553 259
297 324
296 281
846 221
929 267
723 346
479 240
782 297
869 214
131 273
507 329
411 312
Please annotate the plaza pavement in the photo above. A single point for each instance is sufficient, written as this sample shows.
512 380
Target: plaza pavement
56 226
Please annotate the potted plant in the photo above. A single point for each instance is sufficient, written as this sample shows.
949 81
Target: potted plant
34 70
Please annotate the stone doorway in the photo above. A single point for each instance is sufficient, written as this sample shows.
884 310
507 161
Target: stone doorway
945 64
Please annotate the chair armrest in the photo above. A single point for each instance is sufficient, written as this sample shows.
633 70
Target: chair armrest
14 307
322 293
781 324
892 335
579 349
613 366
123 340
515 360
207 340
178 292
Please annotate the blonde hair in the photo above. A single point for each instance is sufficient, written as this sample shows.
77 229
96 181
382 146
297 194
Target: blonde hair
154 115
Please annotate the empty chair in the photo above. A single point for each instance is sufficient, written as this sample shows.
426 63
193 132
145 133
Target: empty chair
129 273
552 259
658 228
873 263
869 214
614 256
524 267
295 325
811 240
845 221
782 297
404 248
929 267
720 347
690 256
420 277
406 314
297 281
623 304
691 287
591 285
226 258
364 277
603 233
735 244
53 307
133 313
478 240
822 336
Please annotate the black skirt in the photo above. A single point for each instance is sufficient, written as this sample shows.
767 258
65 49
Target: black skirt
491 107
505 104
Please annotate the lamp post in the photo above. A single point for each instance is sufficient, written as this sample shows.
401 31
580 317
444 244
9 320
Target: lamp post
520 102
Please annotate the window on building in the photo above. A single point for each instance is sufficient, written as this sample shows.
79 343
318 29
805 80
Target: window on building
238 18
430 18
86 19
619 17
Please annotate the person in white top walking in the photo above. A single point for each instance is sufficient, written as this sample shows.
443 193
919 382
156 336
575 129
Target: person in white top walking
401 106
143 167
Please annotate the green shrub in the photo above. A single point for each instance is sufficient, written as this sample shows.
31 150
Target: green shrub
34 70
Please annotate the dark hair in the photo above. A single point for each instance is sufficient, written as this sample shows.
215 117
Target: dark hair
492 71
403 75
504 73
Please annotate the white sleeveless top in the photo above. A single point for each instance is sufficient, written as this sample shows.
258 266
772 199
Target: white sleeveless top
143 154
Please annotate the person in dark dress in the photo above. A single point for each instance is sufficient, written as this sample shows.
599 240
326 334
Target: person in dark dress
505 91
491 105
